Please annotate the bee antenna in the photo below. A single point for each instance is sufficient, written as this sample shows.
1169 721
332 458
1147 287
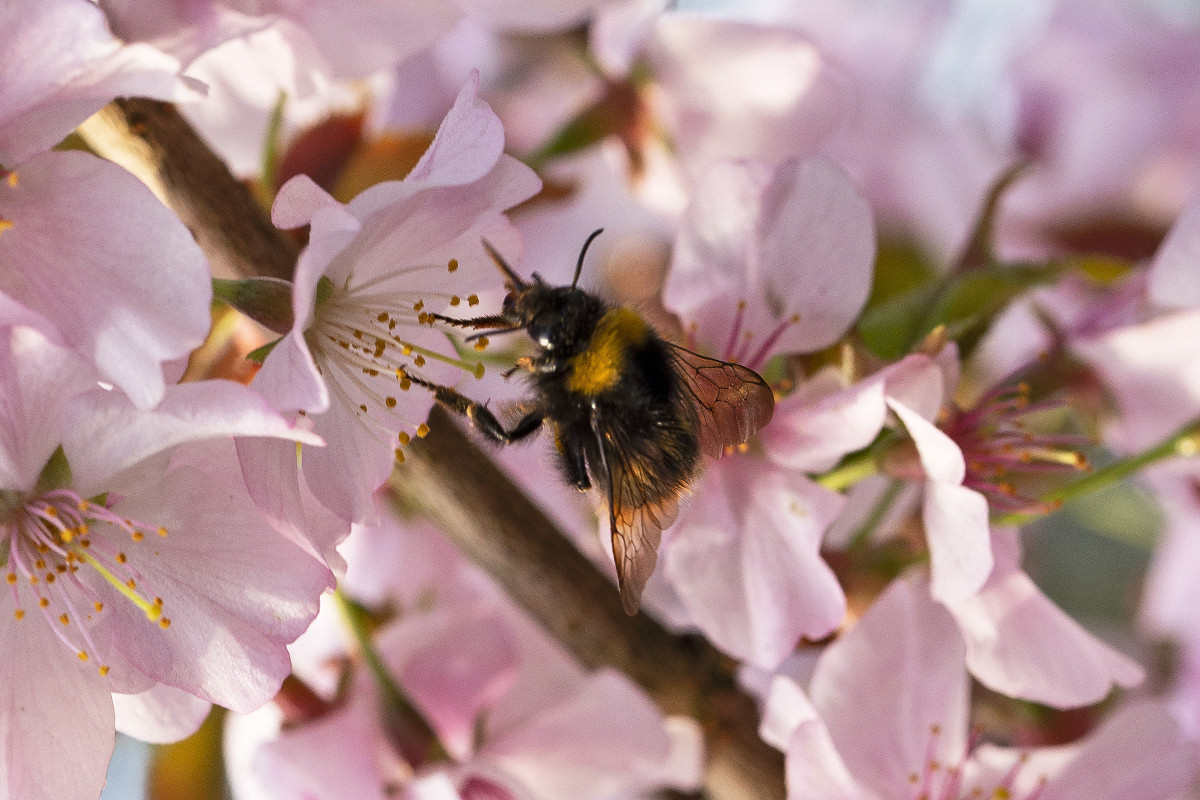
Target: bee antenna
582 253
513 278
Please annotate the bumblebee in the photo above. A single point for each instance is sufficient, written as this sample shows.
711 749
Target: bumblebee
631 413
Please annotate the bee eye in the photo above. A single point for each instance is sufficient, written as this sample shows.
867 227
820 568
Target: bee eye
541 334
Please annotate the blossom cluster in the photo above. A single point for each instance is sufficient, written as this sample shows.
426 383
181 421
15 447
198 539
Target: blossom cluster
959 240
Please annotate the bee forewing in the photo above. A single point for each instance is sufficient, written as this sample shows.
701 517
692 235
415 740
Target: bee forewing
731 402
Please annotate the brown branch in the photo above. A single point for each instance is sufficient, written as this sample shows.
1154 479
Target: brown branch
490 520
457 485
152 140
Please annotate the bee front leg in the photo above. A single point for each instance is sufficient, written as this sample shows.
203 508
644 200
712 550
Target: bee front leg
482 419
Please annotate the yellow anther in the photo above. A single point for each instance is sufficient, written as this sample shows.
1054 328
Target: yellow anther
455 300
164 623
422 430
453 265
82 656
472 299
19 614
403 437
390 402
103 670
399 455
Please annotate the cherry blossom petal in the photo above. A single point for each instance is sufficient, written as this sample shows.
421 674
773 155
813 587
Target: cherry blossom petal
160 715
1173 279
273 479
955 518
1138 752
731 89
814 768
1153 369
772 262
73 208
1020 644
814 428
468 143
883 687
47 90
745 559
234 591
454 679
341 756
535 16
37 379
607 739
56 714
107 434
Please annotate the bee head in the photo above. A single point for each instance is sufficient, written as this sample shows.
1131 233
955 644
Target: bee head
553 316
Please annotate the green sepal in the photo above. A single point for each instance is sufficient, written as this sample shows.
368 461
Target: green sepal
267 301
259 354
56 474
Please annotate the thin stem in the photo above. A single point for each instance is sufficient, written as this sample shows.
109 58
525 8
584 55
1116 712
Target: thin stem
406 728
1183 443
880 510
853 469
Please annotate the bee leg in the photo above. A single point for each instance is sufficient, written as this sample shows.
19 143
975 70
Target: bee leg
493 321
576 466
480 417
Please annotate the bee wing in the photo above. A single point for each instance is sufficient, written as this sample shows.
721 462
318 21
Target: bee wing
731 402
636 517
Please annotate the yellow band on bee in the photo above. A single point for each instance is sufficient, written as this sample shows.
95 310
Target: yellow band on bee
599 367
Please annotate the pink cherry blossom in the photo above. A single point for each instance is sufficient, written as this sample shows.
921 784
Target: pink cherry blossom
744 559
136 563
73 208
1153 371
515 714
1020 644
47 89
1173 282
372 272
352 40
887 718
771 261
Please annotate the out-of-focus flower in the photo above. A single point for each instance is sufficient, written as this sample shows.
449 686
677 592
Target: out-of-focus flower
888 718
136 563
72 208
1021 644
716 88
61 64
1173 280
372 273
347 41
745 295
515 716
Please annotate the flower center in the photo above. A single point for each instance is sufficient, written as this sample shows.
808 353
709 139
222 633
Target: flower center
742 339
1002 452
942 781
359 342
50 538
